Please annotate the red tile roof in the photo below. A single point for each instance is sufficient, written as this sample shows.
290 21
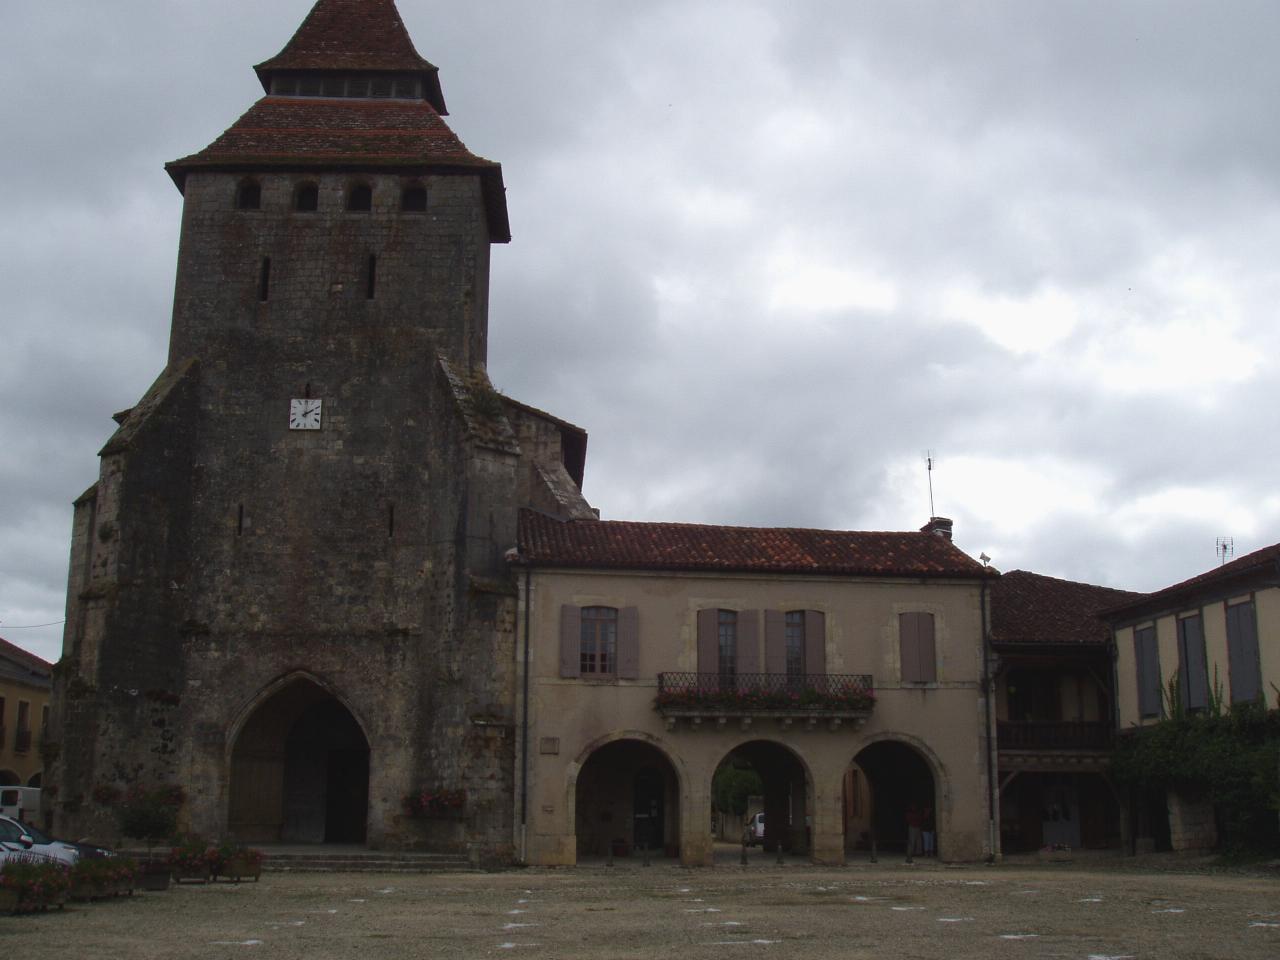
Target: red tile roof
28 663
1031 608
1265 561
316 132
614 544
352 35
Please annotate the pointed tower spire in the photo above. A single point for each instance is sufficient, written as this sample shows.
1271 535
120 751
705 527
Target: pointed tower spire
353 36
349 92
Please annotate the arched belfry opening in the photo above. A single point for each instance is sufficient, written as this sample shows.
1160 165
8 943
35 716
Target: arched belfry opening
300 771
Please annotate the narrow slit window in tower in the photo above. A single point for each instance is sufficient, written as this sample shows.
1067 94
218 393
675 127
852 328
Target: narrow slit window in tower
264 280
371 277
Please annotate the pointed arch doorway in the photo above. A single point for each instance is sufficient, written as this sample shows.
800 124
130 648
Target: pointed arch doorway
300 770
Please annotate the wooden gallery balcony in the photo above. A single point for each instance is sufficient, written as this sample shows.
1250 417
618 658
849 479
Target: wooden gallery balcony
712 700
1068 735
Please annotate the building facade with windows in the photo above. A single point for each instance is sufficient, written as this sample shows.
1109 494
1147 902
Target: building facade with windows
1056 708
1211 640
25 684
830 662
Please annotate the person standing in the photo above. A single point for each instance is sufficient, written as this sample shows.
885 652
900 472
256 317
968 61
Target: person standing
929 833
915 820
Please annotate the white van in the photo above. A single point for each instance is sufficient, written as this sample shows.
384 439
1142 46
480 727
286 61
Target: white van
21 803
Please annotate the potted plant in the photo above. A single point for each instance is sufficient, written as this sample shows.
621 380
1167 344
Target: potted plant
237 862
38 884
150 814
192 859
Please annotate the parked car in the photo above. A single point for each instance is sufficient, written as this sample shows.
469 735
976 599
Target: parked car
755 830
16 835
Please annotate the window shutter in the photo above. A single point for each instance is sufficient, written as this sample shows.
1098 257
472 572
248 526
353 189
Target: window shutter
629 643
708 642
1194 670
775 642
1147 657
570 640
928 648
1242 652
908 648
748 641
815 641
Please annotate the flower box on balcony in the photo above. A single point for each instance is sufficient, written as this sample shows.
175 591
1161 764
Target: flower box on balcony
809 697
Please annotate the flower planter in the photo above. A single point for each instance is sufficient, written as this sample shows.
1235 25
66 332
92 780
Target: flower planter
194 874
241 868
155 877
8 900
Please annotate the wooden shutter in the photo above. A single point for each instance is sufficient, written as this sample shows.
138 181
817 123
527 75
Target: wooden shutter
928 648
1242 652
708 641
628 643
1147 658
570 640
1195 672
748 653
908 648
775 642
815 641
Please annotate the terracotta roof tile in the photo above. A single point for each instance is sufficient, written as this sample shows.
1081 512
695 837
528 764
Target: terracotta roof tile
28 662
614 544
307 132
349 35
343 130
1266 561
1031 608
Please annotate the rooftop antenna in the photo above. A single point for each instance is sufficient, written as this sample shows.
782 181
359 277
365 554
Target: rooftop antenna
1225 548
928 460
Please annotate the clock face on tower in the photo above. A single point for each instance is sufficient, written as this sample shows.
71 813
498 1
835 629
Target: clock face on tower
304 414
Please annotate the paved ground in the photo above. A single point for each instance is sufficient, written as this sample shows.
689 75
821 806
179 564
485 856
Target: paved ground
1090 911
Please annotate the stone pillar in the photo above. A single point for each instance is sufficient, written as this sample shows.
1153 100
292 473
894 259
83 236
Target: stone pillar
1191 824
696 845
828 827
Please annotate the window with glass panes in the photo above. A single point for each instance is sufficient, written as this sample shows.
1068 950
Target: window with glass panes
599 649
727 634
795 643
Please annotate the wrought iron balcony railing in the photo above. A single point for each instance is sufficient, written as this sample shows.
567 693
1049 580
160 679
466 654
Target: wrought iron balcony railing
1070 735
811 696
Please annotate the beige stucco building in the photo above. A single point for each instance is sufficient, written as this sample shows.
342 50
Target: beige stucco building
846 669
1213 639
24 710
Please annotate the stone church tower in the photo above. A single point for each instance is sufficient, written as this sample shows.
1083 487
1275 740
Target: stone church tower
287 590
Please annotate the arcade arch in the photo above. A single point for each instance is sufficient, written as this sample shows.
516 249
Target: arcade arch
889 783
627 797
785 798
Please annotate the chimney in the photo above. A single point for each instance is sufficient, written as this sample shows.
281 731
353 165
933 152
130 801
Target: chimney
939 525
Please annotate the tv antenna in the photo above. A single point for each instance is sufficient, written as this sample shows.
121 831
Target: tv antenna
1225 547
928 461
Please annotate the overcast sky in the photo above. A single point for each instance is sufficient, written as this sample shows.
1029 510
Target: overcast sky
767 254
